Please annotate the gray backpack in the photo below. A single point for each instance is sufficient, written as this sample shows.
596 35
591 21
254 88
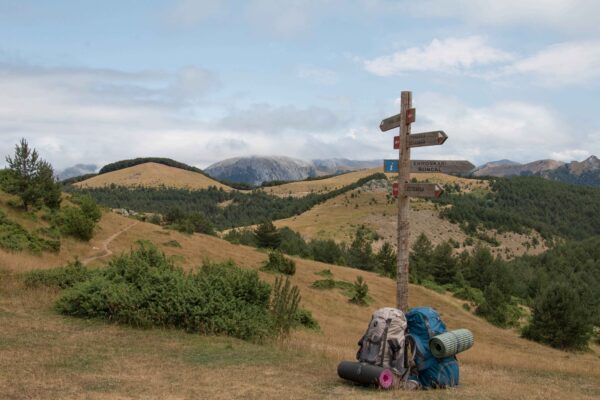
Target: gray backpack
385 343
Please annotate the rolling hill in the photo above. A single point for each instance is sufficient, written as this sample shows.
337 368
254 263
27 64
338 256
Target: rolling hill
43 354
152 174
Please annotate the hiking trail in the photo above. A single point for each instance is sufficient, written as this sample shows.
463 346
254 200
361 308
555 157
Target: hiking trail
105 250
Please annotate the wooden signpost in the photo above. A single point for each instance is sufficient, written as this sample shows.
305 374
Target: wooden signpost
403 189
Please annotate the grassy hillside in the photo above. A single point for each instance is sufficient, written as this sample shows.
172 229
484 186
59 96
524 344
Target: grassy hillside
151 174
44 355
339 217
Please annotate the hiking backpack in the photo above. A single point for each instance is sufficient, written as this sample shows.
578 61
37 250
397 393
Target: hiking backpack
384 343
423 324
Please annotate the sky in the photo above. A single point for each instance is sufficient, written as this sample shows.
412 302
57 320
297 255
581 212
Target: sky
201 81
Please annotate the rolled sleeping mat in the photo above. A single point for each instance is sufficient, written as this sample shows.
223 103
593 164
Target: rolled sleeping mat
451 343
366 374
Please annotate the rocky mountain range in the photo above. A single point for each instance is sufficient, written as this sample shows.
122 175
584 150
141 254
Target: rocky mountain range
586 172
77 170
255 170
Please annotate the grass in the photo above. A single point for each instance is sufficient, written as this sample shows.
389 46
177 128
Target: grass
120 362
153 175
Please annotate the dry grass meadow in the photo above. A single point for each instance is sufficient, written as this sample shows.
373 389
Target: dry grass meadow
47 356
44 355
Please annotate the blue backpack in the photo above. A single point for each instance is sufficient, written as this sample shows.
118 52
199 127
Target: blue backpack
423 324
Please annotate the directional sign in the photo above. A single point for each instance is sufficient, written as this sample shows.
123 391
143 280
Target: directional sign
434 138
428 190
394 121
442 166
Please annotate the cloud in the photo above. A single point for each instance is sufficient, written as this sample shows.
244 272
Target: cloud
445 55
561 64
563 15
516 130
322 76
279 119
187 13
570 155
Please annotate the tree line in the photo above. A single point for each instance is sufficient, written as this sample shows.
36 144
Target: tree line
520 204
223 209
561 286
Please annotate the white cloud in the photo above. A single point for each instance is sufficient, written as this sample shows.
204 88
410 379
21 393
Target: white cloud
561 64
451 54
512 129
570 155
318 75
564 15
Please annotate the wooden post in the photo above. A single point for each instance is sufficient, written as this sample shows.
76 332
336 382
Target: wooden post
403 204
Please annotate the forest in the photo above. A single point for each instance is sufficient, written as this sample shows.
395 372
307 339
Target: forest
223 209
519 204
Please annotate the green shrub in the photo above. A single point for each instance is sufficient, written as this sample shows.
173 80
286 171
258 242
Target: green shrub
431 285
241 236
361 291
88 206
284 306
470 294
498 308
328 283
145 289
74 222
63 277
326 273
277 262
560 319
304 318
13 237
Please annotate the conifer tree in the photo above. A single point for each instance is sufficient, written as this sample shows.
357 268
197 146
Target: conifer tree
31 178
267 235
386 260
420 258
560 318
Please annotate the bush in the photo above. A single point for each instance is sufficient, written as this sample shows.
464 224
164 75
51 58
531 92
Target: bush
145 289
74 222
361 292
284 306
277 262
498 308
560 319
267 235
328 283
13 237
241 236
88 207
304 318
63 277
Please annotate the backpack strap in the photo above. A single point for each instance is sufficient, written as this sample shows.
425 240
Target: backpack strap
384 339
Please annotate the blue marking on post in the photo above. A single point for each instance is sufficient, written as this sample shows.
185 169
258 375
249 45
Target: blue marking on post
390 165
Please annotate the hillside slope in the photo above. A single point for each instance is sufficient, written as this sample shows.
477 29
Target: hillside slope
46 355
152 175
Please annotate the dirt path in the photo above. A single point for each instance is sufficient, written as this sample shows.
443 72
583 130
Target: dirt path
105 250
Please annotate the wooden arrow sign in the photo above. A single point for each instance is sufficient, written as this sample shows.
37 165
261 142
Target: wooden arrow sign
428 190
434 138
395 121
442 166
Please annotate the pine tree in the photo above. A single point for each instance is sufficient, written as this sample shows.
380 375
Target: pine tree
420 258
267 235
443 263
31 178
387 261
360 252
560 318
